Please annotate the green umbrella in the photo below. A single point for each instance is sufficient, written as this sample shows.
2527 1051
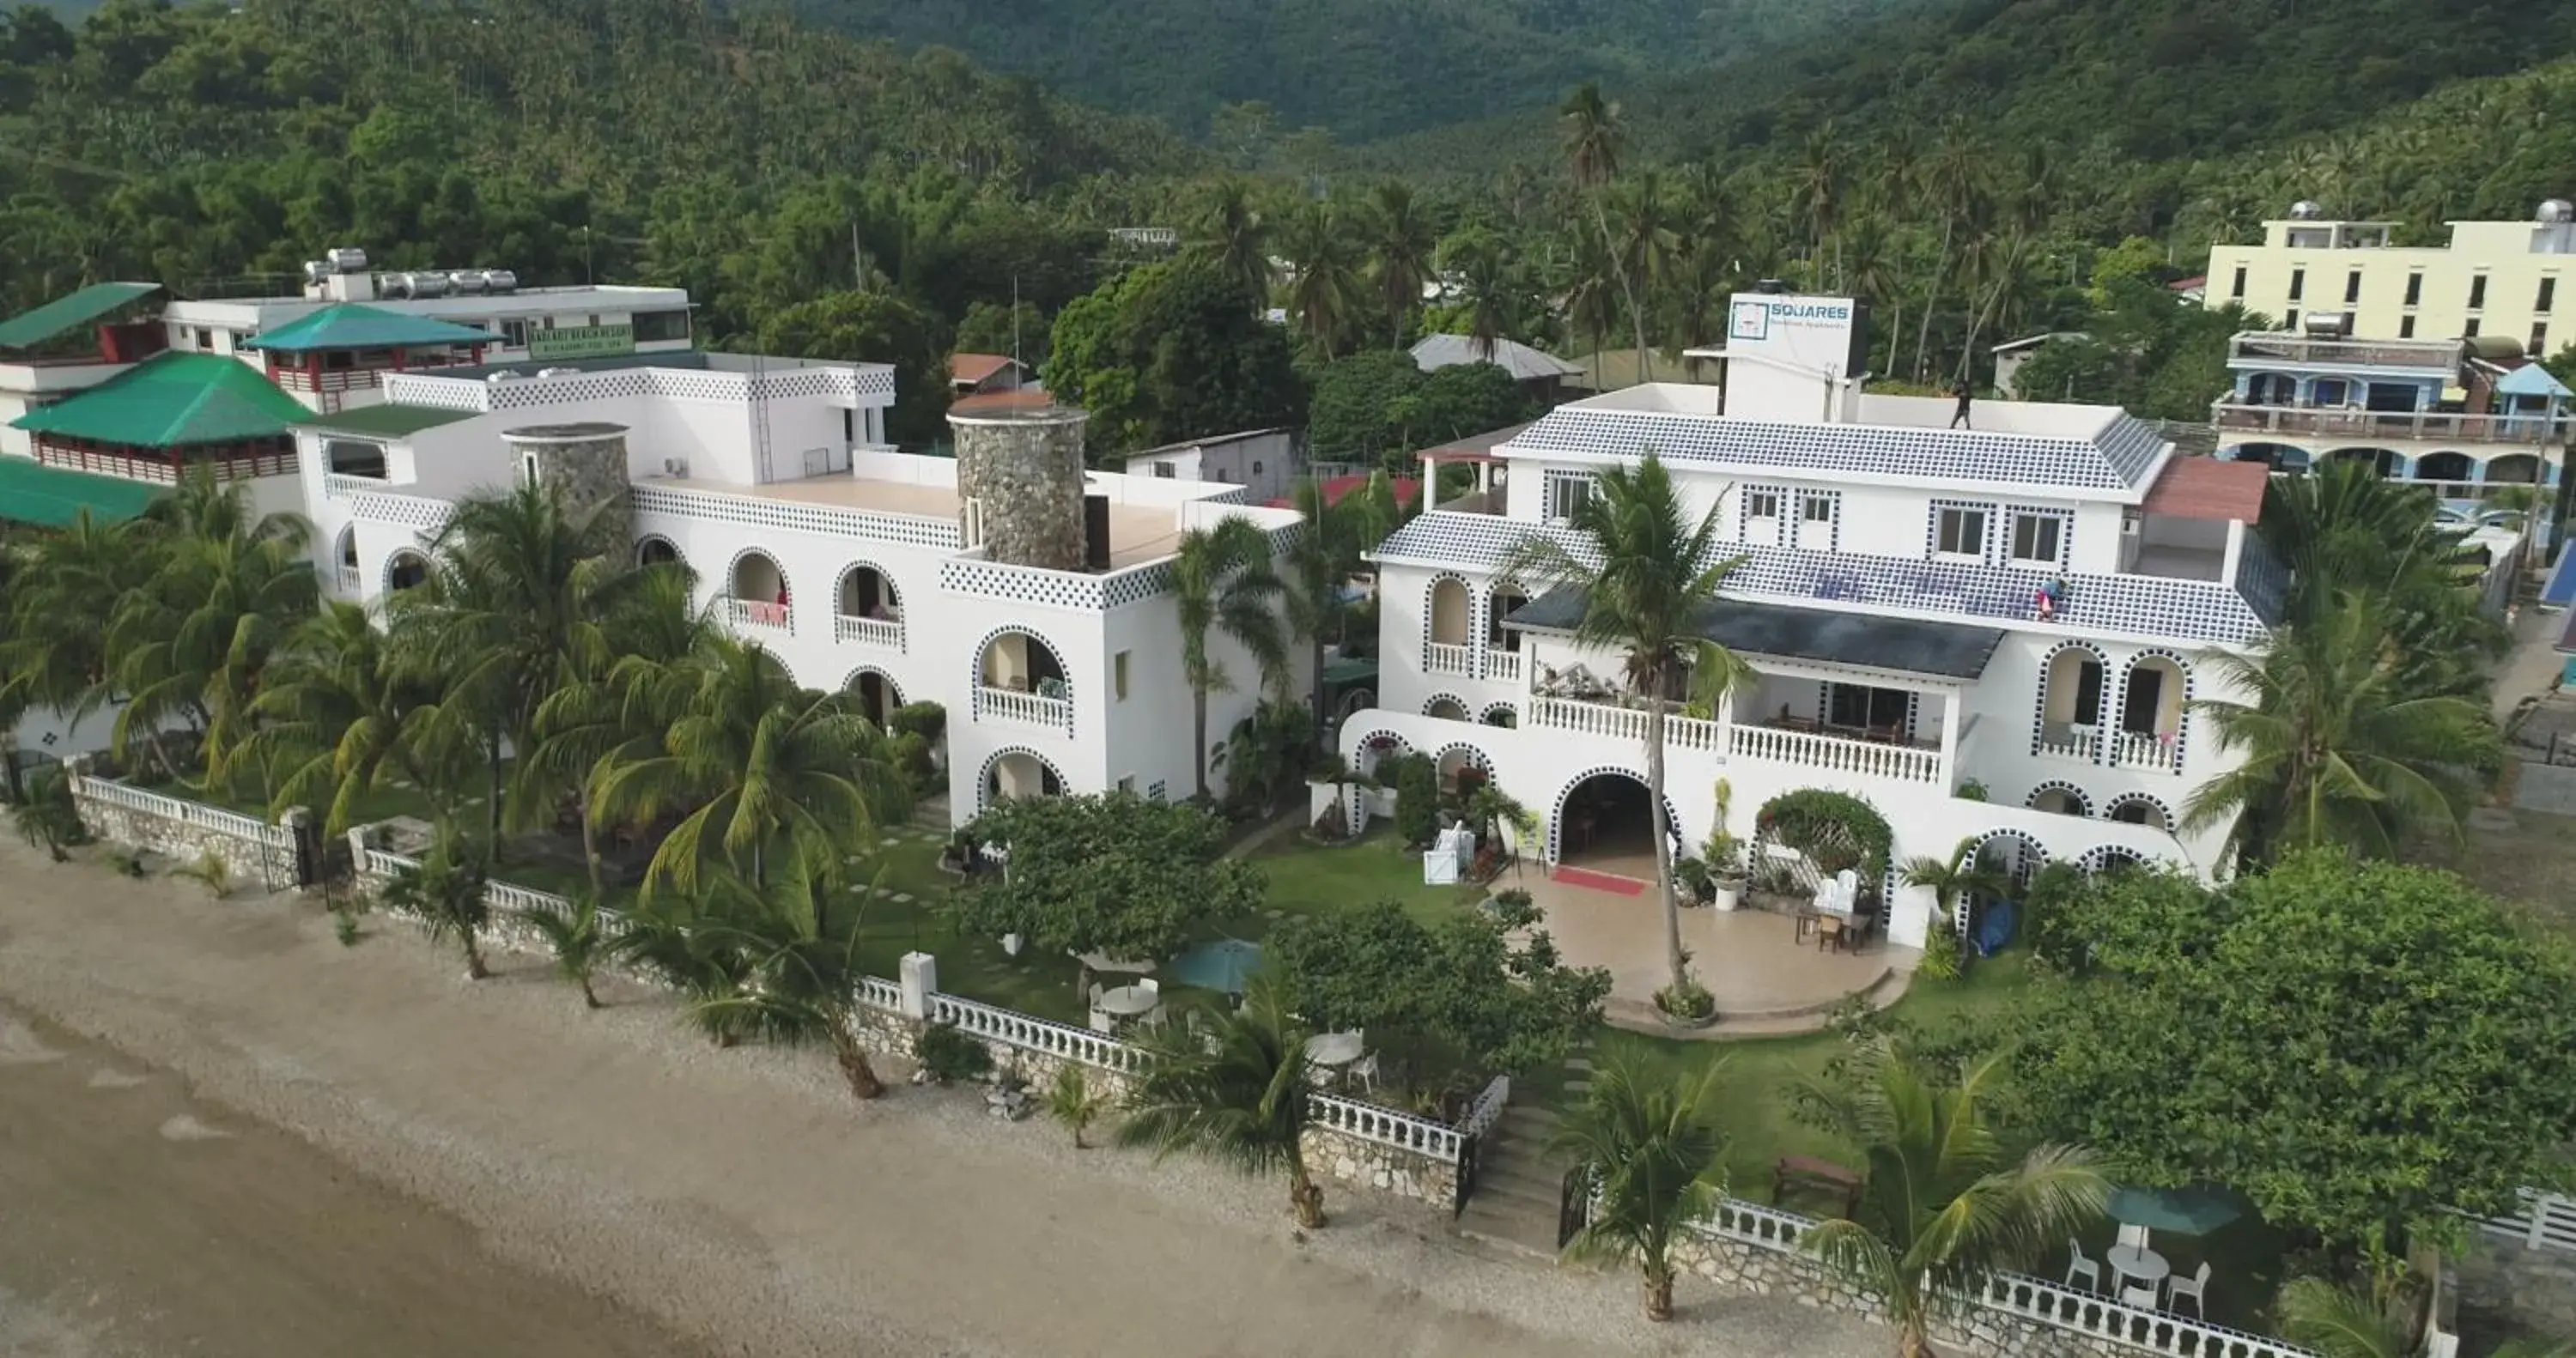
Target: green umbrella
2182 1211
1222 965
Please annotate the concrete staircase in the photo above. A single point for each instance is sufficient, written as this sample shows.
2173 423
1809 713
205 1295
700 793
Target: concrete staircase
1517 1183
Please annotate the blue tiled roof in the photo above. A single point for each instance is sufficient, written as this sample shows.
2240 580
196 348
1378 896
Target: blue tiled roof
2116 459
2133 605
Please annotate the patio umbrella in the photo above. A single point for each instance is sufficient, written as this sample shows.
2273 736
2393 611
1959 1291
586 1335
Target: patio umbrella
2182 1211
1220 966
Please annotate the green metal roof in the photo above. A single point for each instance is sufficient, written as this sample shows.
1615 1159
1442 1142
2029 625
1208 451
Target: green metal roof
51 497
28 329
351 325
387 421
170 400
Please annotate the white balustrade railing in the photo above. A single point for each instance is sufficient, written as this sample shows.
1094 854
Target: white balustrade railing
1031 708
383 863
878 993
349 581
2069 741
1625 723
759 613
1488 1108
196 815
512 896
1867 758
869 631
1503 665
2144 750
1034 1034
1385 1126
2548 1221
1440 657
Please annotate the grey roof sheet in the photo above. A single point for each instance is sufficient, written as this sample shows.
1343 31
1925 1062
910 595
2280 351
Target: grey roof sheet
1524 363
1948 650
2115 459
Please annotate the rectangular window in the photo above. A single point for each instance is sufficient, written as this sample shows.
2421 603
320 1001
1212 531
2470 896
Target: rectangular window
1818 509
2298 284
2414 289
2477 292
2469 328
1761 504
1118 669
2548 296
1567 493
2293 322
2036 537
1165 470
205 339
2405 327
2237 293
2539 340
514 333
1127 785
2352 287
1858 707
1962 533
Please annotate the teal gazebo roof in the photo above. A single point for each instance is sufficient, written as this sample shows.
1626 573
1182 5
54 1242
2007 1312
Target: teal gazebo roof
351 325
2531 379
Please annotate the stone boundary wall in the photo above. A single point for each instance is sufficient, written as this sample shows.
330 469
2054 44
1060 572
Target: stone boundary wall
1348 1140
180 829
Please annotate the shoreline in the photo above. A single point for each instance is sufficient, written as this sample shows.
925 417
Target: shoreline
741 1197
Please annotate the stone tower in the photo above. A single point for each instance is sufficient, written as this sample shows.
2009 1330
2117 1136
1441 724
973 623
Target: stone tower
1021 475
584 463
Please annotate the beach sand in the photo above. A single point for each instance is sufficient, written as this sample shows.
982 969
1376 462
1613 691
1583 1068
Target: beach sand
223 1133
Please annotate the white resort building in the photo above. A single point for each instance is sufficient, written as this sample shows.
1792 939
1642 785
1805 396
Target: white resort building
1990 633
1027 596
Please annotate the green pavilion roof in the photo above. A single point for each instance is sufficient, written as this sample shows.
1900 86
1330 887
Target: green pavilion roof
31 328
351 325
50 497
171 400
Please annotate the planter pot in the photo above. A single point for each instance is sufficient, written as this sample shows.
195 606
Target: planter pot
1011 945
1688 1025
1724 896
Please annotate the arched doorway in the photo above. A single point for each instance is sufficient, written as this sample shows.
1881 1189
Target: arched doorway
760 596
656 551
2061 799
2520 469
406 569
867 606
877 693
2151 707
1503 715
2271 389
1448 612
1506 597
1462 767
1014 661
2137 808
2110 858
344 561
2445 467
1603 825
1377 749
1013 774
2070 710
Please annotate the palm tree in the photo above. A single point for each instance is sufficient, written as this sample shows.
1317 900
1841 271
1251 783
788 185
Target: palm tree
446 892
2336 751
1646 575
1488 285
2342 527
1325 290
1964 874
1645 245
54 650
1941 1206
1954 181
1656 1153
1595 135
1822 182
1073 1101
2360 1321
579 938
1233 231
1401 247
763 770
1234 1089
1222 582
48 818
338 717
804 967
695 955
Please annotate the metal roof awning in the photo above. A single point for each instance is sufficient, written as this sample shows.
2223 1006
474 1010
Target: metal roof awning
1940 650
51 497
170 400
31 328
351 325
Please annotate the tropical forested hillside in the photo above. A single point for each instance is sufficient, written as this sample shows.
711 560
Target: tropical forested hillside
1362 69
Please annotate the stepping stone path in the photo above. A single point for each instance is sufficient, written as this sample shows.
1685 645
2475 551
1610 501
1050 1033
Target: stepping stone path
903 898
1274 914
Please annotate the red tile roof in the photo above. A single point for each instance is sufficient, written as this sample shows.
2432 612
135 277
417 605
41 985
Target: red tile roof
1023 398
2206 488
975 369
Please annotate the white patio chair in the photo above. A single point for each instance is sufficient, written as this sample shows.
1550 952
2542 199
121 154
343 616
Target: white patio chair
2132 1237
1364 1071
2139 1294
2077 1266
1151 987
1101 1022
2196 1287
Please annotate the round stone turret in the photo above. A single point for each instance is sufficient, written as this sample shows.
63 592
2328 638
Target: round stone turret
1022 474
583 463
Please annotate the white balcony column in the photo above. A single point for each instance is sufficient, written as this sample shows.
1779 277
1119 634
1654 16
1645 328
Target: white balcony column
2235 551
1950 735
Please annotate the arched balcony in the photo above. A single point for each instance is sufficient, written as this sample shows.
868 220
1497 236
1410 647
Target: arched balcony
2151 708
404 570
344 564
1014 774
2138 809
1020 679
759 598
867 608
2521 469
1503 644
877 693
656 551
2382 461
1446 708
1449 649
2452 467
2070 714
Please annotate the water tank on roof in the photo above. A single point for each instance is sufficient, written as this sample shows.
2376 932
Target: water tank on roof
424 285
466 281
2557 211
2326 324
347 259
2307 210
500 280
505 375
315 271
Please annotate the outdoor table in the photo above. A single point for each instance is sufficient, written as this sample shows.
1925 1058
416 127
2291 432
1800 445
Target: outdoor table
2139 1262
1333 1049
1128 1001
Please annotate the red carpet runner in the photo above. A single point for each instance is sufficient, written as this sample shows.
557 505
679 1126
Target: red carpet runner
1599 881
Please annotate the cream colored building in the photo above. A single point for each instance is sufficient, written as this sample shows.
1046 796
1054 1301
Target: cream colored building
2495 279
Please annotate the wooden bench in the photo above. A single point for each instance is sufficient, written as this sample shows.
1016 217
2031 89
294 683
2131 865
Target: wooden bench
1823 1175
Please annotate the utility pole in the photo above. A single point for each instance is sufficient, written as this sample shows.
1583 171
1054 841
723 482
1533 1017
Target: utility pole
1015 321
858 260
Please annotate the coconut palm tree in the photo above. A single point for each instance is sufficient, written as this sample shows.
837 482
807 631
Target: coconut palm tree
1821 185
2336 751
1646 574
1488 284
446 893
47 818
2360 1321
1073 1101
1596 134
1233 1089
53 648
803 958
1655 1151
762 769
1401 246
1233 231
579 938
1326 289
1222 583
1954 182
1646 245
1963 874
2344 528
1941 1205
683 945
338 718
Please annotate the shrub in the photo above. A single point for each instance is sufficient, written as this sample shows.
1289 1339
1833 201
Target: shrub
926 720
1417 799
1835 830
1689 1001
947 1055
1941 952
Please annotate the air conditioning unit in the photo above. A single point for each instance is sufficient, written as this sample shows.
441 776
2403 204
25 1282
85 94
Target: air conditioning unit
675 467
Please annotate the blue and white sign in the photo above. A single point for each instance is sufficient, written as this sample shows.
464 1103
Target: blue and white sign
1750 320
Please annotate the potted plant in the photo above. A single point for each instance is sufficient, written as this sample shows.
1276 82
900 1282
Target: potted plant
1724 855
1687 1005
1697 883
